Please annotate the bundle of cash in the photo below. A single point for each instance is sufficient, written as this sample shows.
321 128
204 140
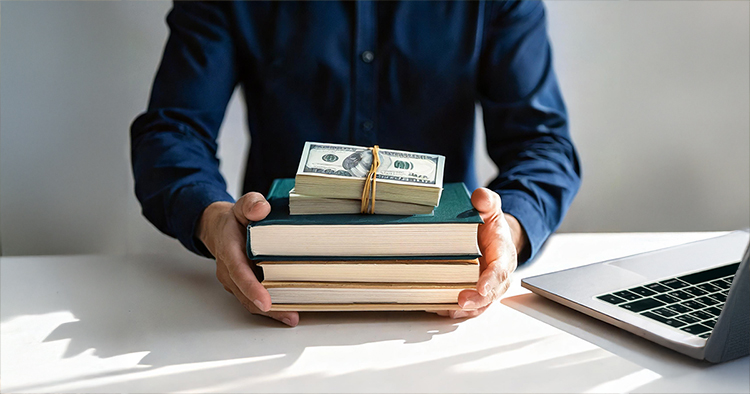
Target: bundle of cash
331 177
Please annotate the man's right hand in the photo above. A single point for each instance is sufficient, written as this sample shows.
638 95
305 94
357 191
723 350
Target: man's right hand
222 229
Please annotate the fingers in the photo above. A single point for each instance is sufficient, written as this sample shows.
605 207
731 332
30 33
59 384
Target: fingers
498 256
239 279
243 277
291 319
460 314
487 203
250 208
493 236
494 277
232 268
492 245
493 282
471 299
440 313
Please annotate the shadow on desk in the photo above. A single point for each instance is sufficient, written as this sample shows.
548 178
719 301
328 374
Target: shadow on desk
176 311
163 323
665 362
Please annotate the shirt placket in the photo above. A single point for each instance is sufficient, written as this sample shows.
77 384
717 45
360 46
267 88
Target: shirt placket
364 122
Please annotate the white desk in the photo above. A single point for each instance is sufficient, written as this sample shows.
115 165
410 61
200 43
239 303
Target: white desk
163 323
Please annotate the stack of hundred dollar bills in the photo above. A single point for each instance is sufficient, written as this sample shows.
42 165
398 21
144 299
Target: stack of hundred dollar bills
331 177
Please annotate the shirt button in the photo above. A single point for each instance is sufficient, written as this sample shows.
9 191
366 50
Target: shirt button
368 56
367 125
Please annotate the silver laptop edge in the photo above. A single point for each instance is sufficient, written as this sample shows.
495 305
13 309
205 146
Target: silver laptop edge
730 338
578 287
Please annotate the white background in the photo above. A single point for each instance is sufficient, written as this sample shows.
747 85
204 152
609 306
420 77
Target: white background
658 95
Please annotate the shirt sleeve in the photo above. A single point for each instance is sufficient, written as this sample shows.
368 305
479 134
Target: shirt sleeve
526 121
173 144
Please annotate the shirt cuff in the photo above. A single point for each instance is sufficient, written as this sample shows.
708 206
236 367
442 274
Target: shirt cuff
187 207
523 208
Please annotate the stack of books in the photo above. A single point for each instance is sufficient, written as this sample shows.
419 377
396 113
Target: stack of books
366 262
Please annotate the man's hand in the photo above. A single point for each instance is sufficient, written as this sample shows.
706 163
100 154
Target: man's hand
500 239
222 228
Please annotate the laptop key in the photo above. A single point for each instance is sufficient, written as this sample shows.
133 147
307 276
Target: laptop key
694 291
721 283
681 295
693 305
642 291
674 283
667 298
719 297
713 310
695 329
711 323
705 335
662 319
627 295
641 305
688 319
612 299
679 308
659 288
709 287
665 312
702 315
706 300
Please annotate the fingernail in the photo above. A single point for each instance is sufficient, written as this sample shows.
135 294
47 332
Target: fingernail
473 302
259 305
459 314
286 321
486 289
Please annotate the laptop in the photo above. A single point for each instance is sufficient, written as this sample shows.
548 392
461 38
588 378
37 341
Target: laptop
692 298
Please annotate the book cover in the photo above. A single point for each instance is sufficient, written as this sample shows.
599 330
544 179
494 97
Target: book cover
364 293
372 307
454 208
414 271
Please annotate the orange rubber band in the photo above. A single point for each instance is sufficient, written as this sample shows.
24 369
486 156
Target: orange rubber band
368 192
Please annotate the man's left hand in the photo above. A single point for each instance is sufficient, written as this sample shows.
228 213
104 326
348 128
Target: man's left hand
500 239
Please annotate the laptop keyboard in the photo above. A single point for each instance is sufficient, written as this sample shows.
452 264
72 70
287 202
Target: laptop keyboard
691 303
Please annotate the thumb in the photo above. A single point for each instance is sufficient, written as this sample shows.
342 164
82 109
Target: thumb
487 203
250 208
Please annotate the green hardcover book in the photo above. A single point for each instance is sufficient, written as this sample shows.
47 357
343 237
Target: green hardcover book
449 232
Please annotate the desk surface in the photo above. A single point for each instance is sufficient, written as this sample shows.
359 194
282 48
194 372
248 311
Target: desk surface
154 323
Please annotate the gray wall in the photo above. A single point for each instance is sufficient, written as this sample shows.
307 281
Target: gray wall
659 99
658 94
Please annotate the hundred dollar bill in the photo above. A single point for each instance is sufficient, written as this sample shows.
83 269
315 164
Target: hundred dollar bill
338 171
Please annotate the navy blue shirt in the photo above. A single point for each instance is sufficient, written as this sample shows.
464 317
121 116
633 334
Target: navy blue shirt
403 75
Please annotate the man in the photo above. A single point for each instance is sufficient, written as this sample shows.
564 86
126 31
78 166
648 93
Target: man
401 75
